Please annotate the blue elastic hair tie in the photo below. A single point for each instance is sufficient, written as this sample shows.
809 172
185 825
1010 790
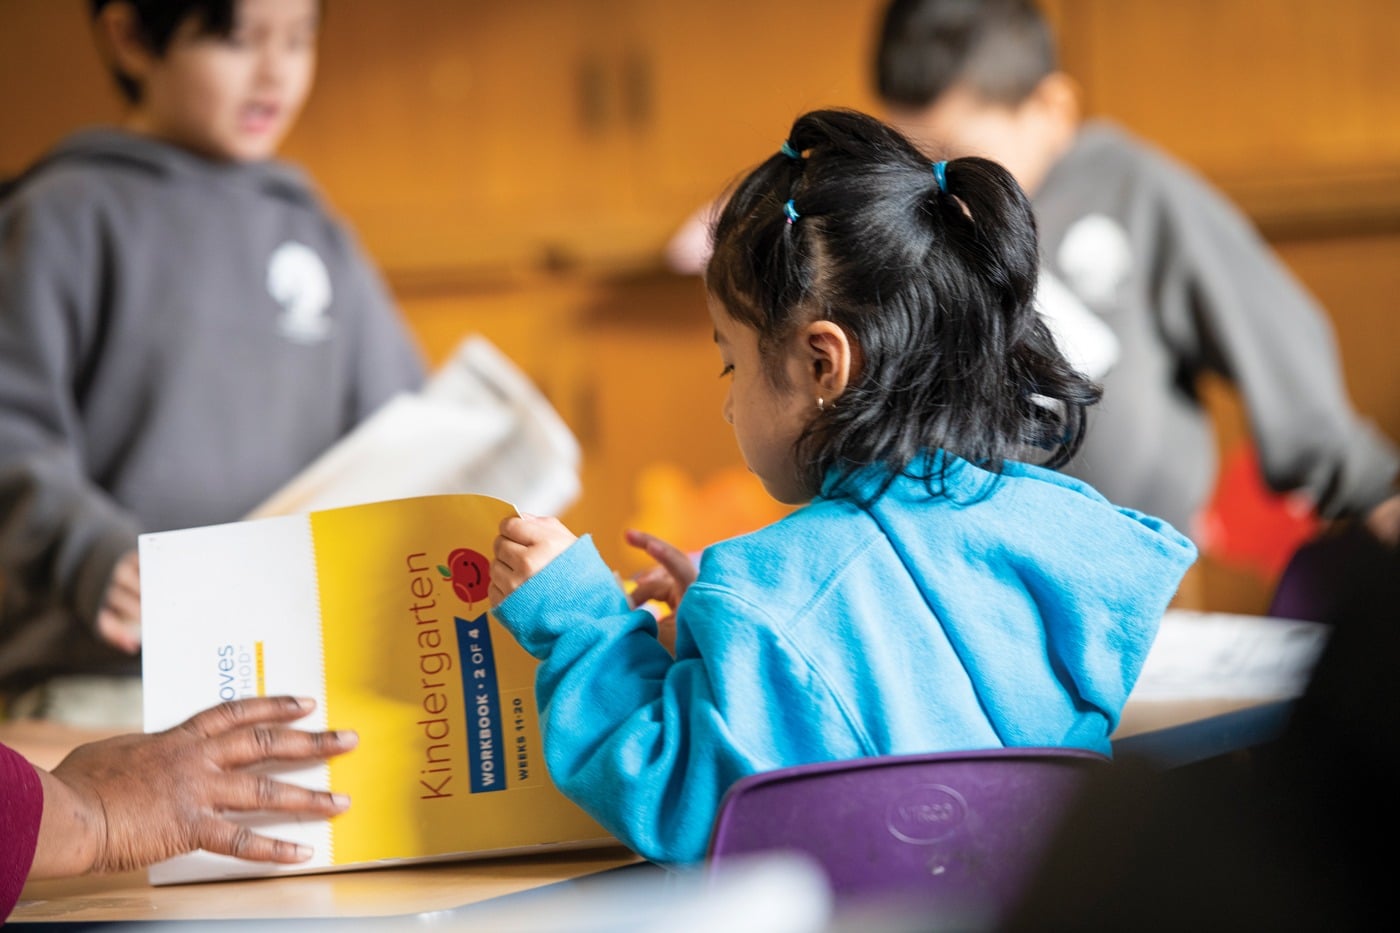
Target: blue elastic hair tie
791 210
940 170
787 150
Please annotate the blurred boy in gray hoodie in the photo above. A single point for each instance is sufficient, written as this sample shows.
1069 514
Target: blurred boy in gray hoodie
1175 277
183 325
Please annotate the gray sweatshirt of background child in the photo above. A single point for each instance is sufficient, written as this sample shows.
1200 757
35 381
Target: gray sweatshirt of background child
178 337
1188 287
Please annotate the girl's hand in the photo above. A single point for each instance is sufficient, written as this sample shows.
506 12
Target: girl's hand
664 583
119 617
126 802
669 579
525 545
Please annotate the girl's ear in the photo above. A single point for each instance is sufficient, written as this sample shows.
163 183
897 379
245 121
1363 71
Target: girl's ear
832 360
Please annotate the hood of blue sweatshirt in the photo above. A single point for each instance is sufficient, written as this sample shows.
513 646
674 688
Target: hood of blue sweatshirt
1030 565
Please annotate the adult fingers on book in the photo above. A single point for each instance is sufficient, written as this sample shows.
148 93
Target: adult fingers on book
261 744
248 791
237 713
225 838
141 798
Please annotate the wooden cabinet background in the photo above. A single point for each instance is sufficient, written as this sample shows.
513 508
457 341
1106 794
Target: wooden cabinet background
516 169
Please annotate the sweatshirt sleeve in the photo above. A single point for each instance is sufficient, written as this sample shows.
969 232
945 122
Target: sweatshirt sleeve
387 359
648 744
60 533
1232 307
21 807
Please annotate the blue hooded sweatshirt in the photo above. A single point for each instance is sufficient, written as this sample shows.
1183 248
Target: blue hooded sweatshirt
1014 612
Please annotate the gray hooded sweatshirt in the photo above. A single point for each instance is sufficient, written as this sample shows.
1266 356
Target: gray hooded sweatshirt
178 338
1188 287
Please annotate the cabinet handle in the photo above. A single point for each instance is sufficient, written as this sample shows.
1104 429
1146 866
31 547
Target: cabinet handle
592 88
638 92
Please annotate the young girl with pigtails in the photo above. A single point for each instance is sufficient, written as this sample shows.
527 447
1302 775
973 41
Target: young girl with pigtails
942 587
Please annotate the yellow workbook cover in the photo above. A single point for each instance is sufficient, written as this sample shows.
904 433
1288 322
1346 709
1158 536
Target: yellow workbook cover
380 612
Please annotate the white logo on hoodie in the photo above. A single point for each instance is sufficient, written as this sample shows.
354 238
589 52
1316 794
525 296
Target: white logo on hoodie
298 281
1096 257
1086 341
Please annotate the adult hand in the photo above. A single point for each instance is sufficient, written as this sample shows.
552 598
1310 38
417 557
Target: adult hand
1383 521
119 617
664 583
526 543
129 801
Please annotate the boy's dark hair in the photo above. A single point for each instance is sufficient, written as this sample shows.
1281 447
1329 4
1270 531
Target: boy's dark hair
1000 49
935 287
158 21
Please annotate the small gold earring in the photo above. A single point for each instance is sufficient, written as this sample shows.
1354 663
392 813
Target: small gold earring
821 403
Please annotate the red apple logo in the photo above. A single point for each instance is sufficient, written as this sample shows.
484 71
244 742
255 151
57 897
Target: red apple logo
469 573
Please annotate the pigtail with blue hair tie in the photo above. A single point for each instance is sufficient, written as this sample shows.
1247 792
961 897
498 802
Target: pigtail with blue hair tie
940 175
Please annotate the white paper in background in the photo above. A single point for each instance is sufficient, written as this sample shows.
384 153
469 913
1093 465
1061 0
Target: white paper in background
478 426
1214 654
256 579
536 466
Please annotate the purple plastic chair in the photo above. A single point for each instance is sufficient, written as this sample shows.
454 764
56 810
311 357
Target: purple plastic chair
962 831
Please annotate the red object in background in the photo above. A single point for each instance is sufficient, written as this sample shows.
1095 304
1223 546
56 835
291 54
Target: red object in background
1247 524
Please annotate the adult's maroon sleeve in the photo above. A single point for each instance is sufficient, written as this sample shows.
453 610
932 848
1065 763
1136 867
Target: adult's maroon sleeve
21 806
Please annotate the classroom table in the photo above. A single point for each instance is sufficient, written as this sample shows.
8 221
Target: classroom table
1176 714
396 893
381 892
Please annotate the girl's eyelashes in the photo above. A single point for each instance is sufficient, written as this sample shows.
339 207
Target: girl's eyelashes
727 370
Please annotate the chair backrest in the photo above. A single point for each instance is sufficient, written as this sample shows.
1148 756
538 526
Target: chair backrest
962 831
1321 580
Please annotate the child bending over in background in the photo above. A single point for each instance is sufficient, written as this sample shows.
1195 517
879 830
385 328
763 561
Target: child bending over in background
1182 282
943 588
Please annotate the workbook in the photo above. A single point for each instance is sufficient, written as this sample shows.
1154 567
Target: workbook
380 612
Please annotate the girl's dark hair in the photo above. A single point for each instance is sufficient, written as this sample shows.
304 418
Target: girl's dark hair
158 21
935 288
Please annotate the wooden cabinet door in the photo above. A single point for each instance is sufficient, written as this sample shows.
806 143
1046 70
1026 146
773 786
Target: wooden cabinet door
720 82
1289 105
457 133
